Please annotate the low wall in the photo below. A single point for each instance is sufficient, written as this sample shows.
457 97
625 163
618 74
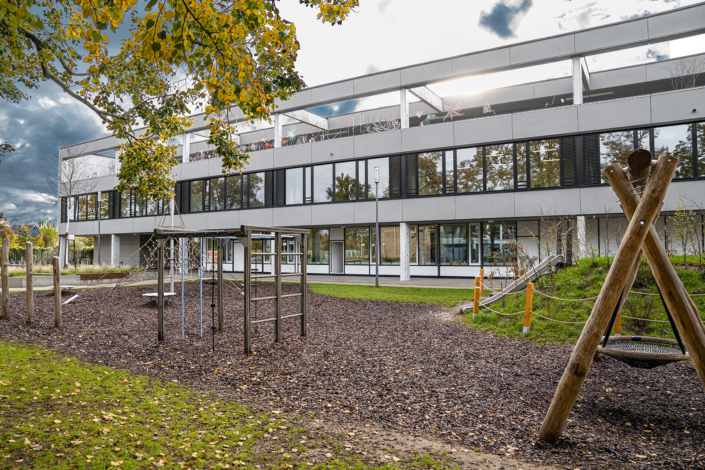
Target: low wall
48 281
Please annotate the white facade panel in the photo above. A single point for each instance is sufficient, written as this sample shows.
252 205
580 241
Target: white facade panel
333 214
424 271
193 170
359 270
678 105
334 91
377 144
480 61
461 271
390 210
545 122
484 205
510 94
262 160
559 86
429 209
292 155
300 100
598 200
292 216
549 202
617 77
427 137
483 130
331 150
426 72
614 36
540 51
376 82
691 18
628 112
318 269
262 217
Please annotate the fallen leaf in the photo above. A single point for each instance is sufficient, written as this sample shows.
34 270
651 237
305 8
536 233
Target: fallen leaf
116 464
396 459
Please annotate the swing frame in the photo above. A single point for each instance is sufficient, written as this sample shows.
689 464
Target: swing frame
244 236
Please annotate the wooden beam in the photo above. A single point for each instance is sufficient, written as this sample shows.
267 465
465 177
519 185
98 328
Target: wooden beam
160 290
5 269
428 97
584 351
308 117
57 291
220 285
30 282
278 287
679 303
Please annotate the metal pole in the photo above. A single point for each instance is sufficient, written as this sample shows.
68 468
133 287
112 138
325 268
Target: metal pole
183 245
377 244
200 297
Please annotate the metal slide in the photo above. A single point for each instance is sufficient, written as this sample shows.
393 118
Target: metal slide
518 284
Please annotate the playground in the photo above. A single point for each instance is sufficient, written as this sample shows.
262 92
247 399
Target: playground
406 367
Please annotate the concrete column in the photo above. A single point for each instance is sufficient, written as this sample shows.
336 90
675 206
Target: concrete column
404 108
404 253
186 148
577 81
581 232
277 130
114 250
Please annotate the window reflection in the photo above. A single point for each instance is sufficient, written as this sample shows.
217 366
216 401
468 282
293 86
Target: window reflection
430 173
676 141
233 192
390 245
345 181
427 245
615 147
357 245
196 193
499 161
294 186
217 187
544 163
454 245
323 183
450 171
256 190
469 169
383 164
318 246
497 240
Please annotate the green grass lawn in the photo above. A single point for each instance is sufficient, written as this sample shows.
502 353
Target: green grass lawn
447 297
56 412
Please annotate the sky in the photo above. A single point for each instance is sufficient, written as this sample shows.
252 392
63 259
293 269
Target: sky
380 35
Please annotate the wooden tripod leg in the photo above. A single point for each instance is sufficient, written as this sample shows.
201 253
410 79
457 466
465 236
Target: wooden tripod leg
581 358
679 303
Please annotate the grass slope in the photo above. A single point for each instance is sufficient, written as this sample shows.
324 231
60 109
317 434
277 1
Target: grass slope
56 412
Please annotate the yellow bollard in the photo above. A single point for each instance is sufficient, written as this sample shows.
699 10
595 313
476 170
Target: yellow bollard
528 307
476 300
618 325
482 279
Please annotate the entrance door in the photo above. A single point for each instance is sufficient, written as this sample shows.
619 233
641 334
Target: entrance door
337 258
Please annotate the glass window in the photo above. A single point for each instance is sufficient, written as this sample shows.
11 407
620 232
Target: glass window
318 246
427 245
357 245
450 172
474 243
454 245
138 204
294 186
345 181
615 147
383 164
104 205
125 204
700 139
430 173
521 166
217 187
233 186
499 162
469 169
642 139
322 183
256 192
413 243
676 141
363 189
307 186
90 210
390 245
497 243
545 163
82 208
152 207
196 204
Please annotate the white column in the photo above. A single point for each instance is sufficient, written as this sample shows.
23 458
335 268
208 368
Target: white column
404 108
582 250
577 81
114 250
404 253
186 148
277 130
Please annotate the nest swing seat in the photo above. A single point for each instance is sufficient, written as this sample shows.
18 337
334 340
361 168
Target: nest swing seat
643 352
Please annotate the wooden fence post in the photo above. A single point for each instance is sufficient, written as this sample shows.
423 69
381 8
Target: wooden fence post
57 292
476 301
248 292
30 283
581 359
5 268
528 307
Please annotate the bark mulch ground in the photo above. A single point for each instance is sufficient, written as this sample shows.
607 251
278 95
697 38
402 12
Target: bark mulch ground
404 366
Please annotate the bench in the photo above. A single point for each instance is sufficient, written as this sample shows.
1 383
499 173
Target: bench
153 297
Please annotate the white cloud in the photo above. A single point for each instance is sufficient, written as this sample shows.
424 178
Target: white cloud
8 206
46 103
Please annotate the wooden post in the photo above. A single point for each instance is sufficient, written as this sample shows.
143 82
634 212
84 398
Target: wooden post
30 283
482 279
248 292
476 300
528 307
584 351
278 287
304 283
679 303
5 268
220 285
57 291
160 290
